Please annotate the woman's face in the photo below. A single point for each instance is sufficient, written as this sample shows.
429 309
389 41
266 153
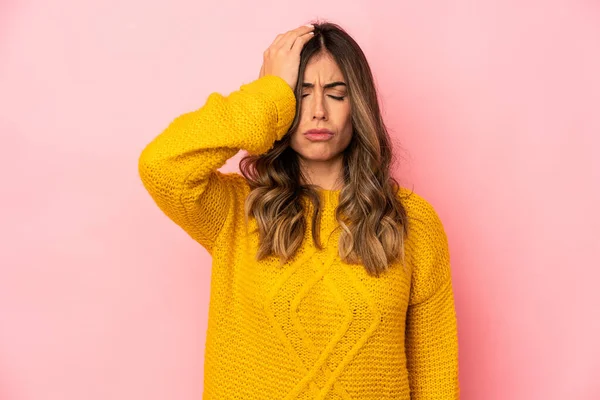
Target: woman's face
325 105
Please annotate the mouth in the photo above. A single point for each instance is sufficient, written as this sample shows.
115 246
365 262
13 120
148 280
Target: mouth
318 135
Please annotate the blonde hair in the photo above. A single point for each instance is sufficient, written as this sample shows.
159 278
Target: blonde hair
370 213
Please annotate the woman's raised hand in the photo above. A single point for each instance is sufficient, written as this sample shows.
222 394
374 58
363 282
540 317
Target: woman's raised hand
282 58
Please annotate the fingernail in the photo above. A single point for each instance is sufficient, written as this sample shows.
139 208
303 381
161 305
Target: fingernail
310 25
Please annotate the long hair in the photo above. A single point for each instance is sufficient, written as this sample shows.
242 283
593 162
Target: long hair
370 214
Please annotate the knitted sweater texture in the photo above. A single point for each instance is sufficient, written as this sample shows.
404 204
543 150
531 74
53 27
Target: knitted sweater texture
316 328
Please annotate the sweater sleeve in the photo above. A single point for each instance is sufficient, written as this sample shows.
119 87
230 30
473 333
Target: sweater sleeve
179 168
431 327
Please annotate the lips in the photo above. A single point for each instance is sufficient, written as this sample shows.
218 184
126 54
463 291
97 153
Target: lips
318 131
318 135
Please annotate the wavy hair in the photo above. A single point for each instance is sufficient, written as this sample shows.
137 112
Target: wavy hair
370 213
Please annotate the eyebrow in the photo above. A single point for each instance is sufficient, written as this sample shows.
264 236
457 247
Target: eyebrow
327 86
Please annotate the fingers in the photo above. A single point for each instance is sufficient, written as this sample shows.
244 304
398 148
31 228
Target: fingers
275 43
287 39
276 59
290 38
301 41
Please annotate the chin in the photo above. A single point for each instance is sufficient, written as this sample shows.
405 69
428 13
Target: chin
309 156
316 152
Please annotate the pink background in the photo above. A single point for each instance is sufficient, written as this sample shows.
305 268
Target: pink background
497 104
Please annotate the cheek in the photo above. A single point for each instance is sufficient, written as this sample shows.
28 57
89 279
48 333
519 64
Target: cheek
347 121
295 138
347 136
345 114
304 113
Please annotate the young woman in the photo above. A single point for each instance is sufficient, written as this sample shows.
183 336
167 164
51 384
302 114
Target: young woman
329 280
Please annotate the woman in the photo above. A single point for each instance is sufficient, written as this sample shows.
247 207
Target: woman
366 313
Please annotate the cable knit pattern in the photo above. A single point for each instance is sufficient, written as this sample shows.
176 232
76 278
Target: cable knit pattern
317 328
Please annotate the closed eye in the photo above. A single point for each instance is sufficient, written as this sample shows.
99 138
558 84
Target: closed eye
339 98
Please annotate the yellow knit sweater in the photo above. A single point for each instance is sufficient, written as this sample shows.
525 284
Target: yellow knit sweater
317 328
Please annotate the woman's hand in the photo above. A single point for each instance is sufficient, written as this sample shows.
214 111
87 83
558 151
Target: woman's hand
282 58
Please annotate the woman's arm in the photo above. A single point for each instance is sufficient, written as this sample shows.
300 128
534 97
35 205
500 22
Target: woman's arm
431 329
179 167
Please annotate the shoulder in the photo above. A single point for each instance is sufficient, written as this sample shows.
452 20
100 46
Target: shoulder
426 245
422 216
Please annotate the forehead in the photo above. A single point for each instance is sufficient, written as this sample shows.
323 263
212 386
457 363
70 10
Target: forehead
323 68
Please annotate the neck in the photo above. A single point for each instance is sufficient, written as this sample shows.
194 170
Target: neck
325 174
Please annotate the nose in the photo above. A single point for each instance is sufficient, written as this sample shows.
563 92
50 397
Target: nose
319 111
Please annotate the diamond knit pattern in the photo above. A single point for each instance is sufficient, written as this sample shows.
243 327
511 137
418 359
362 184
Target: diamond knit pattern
317 327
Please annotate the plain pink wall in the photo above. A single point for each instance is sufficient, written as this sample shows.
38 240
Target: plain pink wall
497 104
